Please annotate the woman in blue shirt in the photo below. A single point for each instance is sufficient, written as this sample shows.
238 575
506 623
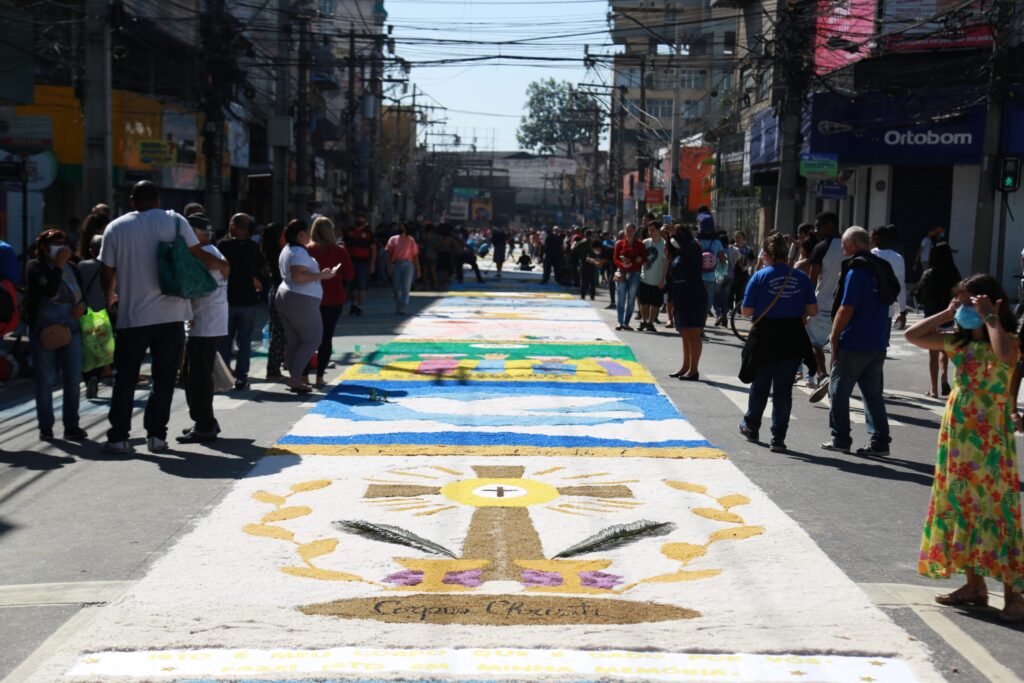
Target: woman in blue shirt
779 299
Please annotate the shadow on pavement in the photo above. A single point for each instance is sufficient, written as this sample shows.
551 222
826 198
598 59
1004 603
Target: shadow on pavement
878 468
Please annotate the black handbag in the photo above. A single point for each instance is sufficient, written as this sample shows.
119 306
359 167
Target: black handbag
748 361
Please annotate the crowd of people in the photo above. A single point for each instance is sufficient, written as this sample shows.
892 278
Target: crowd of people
846 292
824 289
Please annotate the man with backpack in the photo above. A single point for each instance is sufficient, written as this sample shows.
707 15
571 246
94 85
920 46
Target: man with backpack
860 335
147 319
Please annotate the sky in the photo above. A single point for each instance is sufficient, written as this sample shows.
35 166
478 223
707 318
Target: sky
427 30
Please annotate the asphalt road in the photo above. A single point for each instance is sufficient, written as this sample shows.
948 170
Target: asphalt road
87 525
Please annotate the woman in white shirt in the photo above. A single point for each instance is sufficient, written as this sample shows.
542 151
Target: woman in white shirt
298 303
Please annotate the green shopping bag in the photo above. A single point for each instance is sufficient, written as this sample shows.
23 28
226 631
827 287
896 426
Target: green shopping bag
181 273
97 339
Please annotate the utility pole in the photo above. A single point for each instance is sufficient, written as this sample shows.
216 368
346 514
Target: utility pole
98 92
281 125
376 94
214 89
1003 33
641 143
350 135
596 198
620 155
792 36
302 164
673 174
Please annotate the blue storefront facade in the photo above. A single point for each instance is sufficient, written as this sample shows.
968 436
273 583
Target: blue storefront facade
911 160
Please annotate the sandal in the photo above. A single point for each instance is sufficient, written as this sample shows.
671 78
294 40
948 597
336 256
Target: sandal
964 596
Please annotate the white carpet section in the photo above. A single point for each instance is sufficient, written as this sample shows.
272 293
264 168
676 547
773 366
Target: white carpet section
767 588
640 431
468 329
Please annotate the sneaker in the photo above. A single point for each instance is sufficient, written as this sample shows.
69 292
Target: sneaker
811 383
835 447
241 384
820 392
874 451
748 432
117 447
628 328
619 328
777 446
92 387
609 306
155 444
75 434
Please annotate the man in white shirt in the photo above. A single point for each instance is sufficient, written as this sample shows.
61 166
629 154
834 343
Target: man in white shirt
147 319
882 242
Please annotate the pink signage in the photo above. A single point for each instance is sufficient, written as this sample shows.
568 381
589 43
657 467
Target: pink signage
845 32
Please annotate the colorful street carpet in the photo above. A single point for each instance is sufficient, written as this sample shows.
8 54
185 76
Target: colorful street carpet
501 493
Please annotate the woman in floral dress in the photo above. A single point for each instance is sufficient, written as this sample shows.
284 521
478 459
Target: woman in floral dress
974 519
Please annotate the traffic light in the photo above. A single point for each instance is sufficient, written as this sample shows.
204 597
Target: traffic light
1009 174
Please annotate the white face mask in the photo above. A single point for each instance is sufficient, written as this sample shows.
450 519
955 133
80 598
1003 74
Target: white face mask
56 249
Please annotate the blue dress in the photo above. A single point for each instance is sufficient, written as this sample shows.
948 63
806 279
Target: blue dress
686 285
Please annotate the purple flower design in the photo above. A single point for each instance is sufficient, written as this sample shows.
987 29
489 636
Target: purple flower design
599 580
406 577
469 578
535 577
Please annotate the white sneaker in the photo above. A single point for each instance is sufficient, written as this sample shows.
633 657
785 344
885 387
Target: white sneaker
155 444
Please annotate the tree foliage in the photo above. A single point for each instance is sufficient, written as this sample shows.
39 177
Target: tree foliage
555 120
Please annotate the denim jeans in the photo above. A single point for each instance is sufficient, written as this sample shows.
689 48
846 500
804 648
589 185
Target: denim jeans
241 320
776 378
627 297
164 343
712 289
723 303
402 272
865 370
45 365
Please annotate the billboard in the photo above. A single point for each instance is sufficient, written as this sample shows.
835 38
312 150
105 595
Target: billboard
912 25
843 34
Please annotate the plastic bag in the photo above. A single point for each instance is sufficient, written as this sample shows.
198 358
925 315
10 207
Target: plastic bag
97 339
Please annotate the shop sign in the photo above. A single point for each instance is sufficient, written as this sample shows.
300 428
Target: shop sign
42 171
26 134
158 152
458 209
935 25
819 166
654 195
876 129
832 190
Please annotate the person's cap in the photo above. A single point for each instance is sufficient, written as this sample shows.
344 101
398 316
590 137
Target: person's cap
198 221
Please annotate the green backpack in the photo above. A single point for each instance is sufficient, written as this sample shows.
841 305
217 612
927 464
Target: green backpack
181 273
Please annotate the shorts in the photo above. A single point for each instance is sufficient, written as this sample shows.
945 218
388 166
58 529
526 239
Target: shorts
362 276
649 295
819 329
